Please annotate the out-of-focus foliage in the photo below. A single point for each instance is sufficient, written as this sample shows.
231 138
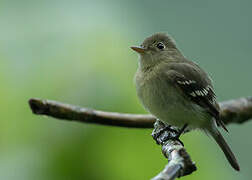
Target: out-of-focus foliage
78 52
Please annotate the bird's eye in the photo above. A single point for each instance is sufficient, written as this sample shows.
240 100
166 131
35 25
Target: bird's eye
160 45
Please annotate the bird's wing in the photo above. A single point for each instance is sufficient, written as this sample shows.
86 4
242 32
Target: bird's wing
195 85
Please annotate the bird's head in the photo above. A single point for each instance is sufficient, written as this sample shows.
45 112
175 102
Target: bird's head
156 48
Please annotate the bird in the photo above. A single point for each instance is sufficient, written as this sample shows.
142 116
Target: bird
177 91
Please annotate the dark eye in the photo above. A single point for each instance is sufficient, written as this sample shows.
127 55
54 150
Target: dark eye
160 45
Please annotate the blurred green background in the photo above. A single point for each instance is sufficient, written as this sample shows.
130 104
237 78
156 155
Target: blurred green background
78 52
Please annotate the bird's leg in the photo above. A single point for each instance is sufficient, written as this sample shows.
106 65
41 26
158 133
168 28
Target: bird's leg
178 134
181 131
163 132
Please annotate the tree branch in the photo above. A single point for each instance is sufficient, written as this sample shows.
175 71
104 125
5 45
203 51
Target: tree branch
74 113
233 111
179 161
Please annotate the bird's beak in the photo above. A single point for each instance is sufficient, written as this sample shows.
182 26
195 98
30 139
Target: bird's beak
138 49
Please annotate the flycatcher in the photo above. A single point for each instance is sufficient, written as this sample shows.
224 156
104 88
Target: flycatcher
177 91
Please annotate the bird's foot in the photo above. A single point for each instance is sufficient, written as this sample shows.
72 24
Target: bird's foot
163 132
180 132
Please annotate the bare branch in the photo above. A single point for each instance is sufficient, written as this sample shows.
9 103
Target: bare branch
74 113
236 111
233 111
179 161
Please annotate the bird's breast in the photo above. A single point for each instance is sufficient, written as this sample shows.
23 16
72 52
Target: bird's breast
156 94
163 100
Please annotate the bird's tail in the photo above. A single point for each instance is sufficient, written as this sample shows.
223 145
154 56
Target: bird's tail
225 148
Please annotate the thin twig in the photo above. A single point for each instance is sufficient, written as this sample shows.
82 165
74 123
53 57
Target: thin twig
180 163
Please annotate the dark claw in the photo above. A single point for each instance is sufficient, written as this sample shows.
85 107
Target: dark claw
164 132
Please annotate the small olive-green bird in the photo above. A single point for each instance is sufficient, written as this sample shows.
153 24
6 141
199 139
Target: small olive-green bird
177 91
